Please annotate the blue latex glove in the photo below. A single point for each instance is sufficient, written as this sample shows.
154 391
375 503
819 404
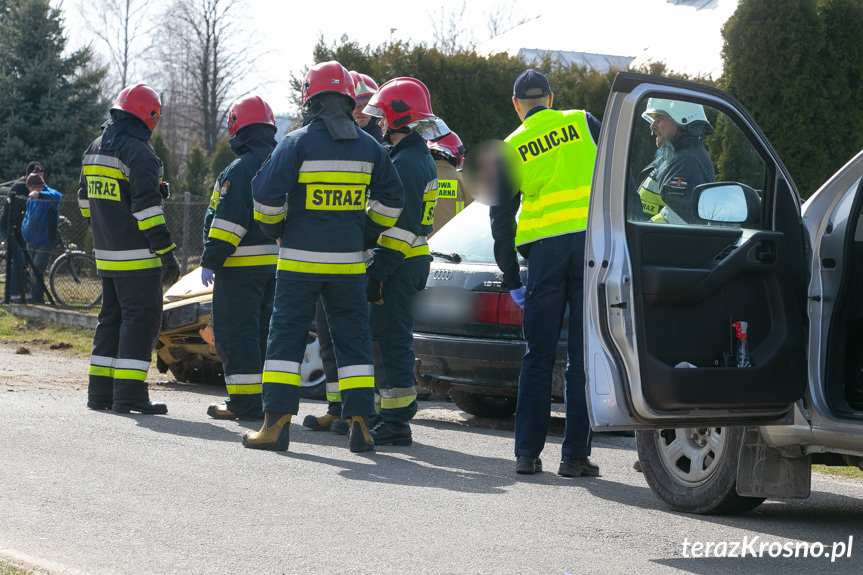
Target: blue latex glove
207 276
518 296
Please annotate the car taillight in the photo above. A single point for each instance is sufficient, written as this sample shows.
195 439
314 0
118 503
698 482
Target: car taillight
486 307
497 308
508 311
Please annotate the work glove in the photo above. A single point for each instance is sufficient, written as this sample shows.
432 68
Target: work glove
518 296
207 276
374 288
170 268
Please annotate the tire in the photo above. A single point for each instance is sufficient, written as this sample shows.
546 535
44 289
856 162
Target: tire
694 470
74 281
483 405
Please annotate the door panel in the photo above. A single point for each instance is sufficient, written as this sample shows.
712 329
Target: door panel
664 286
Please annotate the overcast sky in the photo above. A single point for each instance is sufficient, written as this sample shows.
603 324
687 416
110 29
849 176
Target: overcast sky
287 30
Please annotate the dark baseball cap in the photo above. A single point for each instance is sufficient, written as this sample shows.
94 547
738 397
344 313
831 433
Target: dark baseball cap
531 84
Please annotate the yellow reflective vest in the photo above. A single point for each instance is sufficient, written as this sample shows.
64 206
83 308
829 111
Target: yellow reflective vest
557 153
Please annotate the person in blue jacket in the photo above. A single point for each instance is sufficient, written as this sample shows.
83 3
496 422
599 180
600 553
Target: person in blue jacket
39 230
326 194
399 267
240 261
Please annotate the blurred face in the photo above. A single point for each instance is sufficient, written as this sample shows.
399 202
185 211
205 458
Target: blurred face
663 127
361 119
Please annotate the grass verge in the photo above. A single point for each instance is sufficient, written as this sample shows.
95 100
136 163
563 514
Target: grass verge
848 472
29 332
7 569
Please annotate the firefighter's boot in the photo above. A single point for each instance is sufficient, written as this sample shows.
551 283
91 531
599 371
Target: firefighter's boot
275 435
392 433
322 423
225 411
360 439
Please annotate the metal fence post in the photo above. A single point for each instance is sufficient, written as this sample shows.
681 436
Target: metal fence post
187 199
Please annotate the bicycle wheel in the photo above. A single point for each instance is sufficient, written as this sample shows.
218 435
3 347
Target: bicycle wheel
74 280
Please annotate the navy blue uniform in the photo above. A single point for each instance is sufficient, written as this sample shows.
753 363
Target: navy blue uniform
327 200
401 261
244 259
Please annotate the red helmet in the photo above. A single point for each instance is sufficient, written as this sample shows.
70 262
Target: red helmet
450 147
249 110
401 101
364 86
142 101
328 77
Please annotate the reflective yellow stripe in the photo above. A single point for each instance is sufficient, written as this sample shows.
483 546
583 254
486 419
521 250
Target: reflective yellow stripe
250 261
422 250
578 196
383 214
397 402
447 188
576 217
314 268
394 244
282 377
361 382
264 218
245 389
459 206
381 219
151 222
144 264
166 250
99 170
133 374
225 236
101 371
85 212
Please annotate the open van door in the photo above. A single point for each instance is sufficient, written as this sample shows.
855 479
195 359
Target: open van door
663 286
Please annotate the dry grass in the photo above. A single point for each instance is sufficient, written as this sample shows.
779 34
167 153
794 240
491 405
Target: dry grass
28 332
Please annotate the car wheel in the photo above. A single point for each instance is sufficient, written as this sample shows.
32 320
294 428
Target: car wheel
694 469
313 380
483 405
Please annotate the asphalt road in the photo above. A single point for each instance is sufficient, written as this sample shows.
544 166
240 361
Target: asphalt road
99 493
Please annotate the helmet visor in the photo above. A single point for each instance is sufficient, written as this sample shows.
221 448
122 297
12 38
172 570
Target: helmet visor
430 128
374 111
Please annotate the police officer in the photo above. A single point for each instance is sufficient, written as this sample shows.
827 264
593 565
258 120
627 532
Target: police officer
240 261
121 179
400 265
364 88
448 153
327 192
681 162
555 151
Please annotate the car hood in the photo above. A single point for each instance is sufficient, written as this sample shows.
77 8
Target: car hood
187 286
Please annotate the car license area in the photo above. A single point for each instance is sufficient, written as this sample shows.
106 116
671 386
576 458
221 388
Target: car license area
180 316
445 305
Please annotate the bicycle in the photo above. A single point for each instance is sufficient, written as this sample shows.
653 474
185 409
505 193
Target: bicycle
73 279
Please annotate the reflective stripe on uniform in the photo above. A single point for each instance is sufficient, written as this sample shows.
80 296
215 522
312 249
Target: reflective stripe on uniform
114 260
134 369
280 371
397 239
243 383
383 214
420 247
259 255
149 217
335 172
304 261
356 377
227 231
397 397
102 366
333 392
269 214
102 165
84 206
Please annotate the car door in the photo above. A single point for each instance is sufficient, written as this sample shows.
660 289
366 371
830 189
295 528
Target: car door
664 287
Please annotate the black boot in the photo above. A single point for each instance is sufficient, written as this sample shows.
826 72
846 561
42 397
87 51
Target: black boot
392 433
577 467
528 465
140 406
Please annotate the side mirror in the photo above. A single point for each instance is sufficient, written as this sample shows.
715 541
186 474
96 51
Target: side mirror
727 203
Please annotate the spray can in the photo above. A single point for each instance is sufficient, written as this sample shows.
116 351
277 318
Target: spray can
742 343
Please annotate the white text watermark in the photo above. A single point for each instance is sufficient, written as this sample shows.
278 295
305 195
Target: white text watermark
756 547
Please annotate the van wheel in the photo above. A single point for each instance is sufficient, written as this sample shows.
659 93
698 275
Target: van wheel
483 405
694 470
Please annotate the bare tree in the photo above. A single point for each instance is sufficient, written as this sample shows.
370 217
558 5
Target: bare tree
121 28
204 52
449 31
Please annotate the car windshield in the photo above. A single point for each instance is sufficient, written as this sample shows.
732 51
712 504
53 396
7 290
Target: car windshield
468 235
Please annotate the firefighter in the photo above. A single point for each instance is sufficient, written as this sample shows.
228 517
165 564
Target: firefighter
400 264
364 88
326 194
240 261
448 153
120 194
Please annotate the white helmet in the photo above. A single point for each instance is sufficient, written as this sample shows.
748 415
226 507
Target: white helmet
683 113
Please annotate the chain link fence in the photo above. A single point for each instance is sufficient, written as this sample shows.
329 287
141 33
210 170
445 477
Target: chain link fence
70 276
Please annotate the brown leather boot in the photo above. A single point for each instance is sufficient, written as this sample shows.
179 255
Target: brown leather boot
360 438
322 423
275 435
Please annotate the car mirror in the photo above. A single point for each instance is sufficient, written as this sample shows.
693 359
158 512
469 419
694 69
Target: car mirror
726 202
